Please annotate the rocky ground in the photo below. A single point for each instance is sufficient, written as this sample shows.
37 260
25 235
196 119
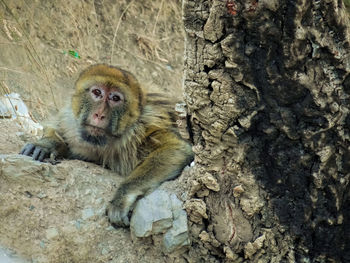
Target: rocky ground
56 213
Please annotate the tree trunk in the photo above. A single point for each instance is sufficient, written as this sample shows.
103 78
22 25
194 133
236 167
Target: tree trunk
267 86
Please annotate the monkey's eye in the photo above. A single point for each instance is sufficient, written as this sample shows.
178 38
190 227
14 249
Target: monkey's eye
116 97
96 93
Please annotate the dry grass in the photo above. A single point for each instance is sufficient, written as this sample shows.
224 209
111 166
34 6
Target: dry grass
140 37
32 53
150 48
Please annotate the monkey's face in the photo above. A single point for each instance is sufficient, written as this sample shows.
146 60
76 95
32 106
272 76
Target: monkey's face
107 102
103 108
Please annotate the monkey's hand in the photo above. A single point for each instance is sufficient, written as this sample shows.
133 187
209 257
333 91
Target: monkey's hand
119 208
51 145
38 152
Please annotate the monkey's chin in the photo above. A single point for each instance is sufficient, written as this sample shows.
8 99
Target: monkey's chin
93 136
94 131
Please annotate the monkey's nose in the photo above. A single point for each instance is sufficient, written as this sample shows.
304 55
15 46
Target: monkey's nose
99 117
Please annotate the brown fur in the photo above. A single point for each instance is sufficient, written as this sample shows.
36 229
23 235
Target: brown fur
145 147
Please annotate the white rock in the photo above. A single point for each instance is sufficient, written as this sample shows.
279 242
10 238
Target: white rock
152 214
12 107
161 212
177 235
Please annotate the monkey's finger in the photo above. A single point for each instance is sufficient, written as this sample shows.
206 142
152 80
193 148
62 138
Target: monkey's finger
42 155
119 218
27 149
36 153
114 215
126 220
53 156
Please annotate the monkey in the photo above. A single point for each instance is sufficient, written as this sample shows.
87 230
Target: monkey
112 121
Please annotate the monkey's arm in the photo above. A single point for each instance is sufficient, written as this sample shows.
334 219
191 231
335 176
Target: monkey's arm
50 143
164 163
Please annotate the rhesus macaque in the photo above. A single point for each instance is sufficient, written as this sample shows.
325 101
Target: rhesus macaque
111 121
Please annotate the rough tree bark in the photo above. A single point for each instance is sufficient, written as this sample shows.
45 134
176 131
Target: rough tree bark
267 85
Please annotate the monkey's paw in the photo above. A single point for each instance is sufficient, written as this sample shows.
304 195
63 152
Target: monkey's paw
37 152
117 215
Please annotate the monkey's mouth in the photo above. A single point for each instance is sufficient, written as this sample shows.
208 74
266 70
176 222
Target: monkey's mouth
95 131
94 135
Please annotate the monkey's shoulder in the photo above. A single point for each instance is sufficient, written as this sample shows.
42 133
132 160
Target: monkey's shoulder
160 99
159 111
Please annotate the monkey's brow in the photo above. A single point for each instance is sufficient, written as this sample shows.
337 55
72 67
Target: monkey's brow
109 84
103 84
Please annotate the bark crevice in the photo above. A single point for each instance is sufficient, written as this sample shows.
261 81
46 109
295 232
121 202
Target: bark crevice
273 129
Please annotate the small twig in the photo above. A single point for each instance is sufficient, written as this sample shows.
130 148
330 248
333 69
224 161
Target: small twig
34 119
7 31
14 70
39 102
155 24
7 90
12 43
117 28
